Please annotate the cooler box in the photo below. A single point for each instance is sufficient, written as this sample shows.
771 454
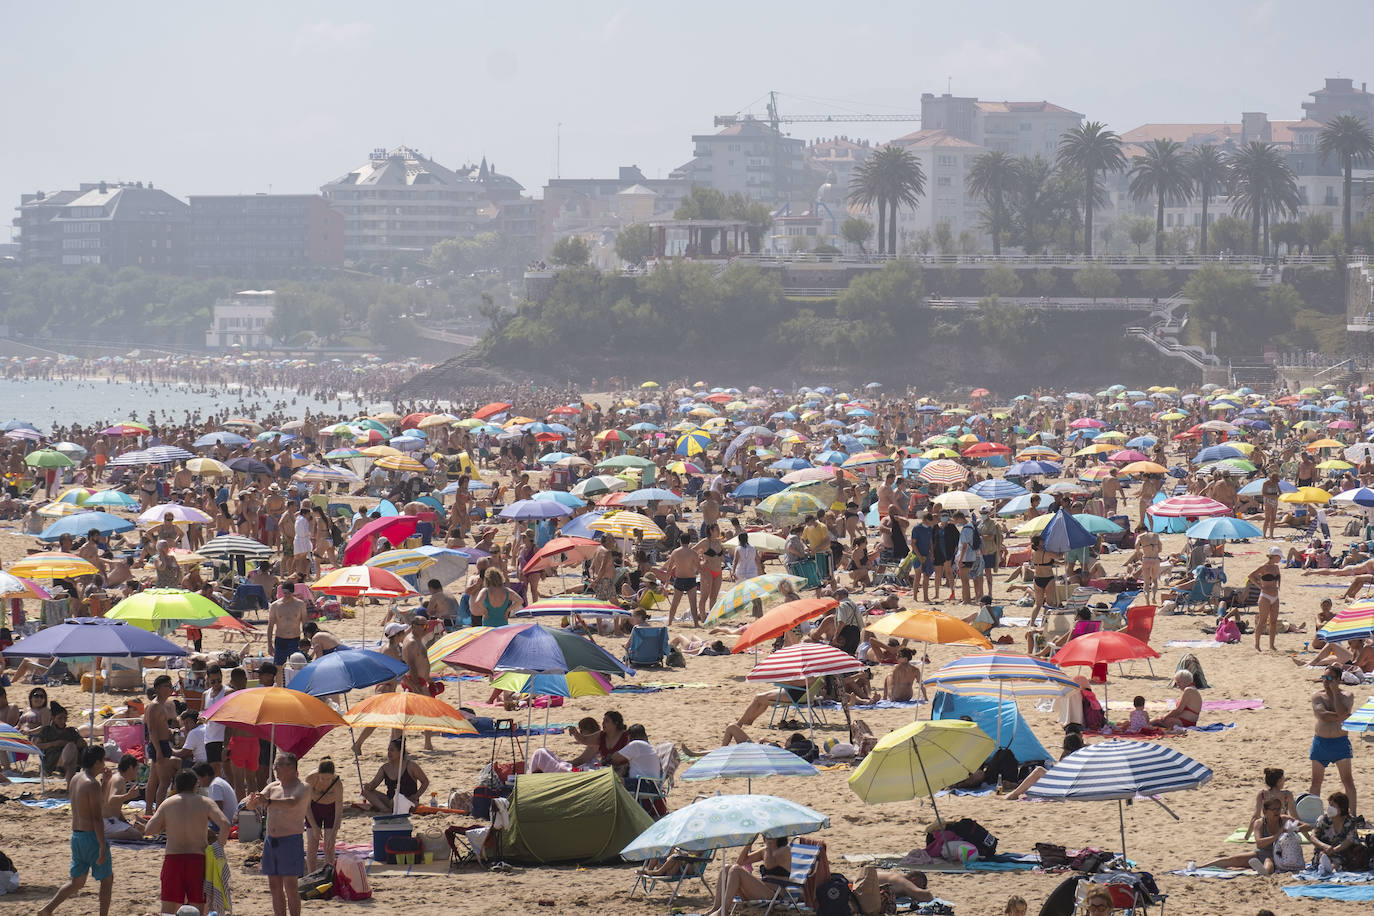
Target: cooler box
387 828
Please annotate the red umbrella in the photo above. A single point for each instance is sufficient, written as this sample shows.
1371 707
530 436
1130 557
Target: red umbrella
1102 646
561 551
781 619
986 450
395 528
412 420
804 660
491 410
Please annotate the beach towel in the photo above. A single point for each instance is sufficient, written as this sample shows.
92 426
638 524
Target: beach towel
980 791
1239 837
53 804
1348 892
1193 644
1341 877
890 704
1000 862
1224 874
1207 705
217 897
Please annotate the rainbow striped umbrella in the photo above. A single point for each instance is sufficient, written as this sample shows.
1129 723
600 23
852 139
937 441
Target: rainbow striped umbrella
627 525
1354 622
409 712
569 606
12 741
866 460
943 470
572 684
759 588
1361 720
1002 674
789 504
402 562
451 641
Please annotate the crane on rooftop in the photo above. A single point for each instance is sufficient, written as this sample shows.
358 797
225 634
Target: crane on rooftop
774 119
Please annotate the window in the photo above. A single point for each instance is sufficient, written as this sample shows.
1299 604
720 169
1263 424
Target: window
946 160
942 181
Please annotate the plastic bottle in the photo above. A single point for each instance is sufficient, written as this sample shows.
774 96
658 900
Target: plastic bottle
434 799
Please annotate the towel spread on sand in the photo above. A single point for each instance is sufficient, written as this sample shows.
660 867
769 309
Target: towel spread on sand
1207 705
1224 874
1239 837
890 704
1331 891
980 791
49 803
1341 877
1192 644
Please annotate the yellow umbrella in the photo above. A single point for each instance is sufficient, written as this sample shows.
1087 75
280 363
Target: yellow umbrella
381 451
438 419
1334 464
52 566
208 467
1324 443
627 525
386 416
1306 495
920 759
1143 467
400 463
1097 448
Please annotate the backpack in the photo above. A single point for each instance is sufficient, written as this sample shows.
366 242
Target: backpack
1093 716
977 538
972 832
835 898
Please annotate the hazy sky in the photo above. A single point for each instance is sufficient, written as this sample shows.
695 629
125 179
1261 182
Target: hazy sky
284 96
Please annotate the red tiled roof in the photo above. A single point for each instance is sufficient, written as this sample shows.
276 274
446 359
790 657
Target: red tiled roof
1045 107
933 137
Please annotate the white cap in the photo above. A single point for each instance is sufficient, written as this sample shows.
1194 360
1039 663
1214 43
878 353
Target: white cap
393 628
1275 551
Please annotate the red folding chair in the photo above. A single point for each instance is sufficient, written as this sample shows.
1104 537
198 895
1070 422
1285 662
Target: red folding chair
1140 623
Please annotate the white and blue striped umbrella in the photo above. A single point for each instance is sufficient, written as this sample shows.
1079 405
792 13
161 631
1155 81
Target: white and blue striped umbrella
158 454
1120 770
748 761
1362 719
997 488
723 821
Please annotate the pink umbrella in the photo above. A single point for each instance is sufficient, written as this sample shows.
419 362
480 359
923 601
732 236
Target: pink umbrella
1188 507
1087 423
395 528
1334 424
1127 455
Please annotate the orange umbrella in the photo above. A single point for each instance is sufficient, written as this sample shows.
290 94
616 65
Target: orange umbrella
291 720
781 619
491 410
362 582
408 712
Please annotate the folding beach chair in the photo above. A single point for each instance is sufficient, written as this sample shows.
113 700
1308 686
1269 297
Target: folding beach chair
693 867
1140 623
648 647
792 697
789 890
1129 892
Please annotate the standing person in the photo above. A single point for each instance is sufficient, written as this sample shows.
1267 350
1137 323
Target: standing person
1330 744
712 550
1042 575
1150 547
215 690
157 724
301 542
1267 577
1111 493
745 564
947 536
1270 492
968 554
326 804
417 677
285 617
185 818
1149 486
287 802
849 622
602 572
990 530
681 570
923 567
90 851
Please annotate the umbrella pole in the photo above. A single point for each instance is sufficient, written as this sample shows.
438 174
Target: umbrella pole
999 714
546 727
1121 817
353 745
94 674
929 790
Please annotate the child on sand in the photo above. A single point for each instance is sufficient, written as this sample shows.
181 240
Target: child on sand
1140 720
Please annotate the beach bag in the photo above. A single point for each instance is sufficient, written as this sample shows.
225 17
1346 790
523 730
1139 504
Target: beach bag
803 748
835 898
970 830
1052 855
1093 716
1227 631
1288 850
318 885
350 878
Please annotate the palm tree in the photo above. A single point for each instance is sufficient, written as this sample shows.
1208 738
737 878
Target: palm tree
1031 199
1161 173
1208 167
992 176
1262 186
1348 137
901 182
865 190
1089 151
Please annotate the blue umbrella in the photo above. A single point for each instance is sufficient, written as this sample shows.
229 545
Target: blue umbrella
79 524
82 637
246 465
1255 488
534 509
723 821
1141 442
997 488
1020 504
1034 469
346 669
577 528
748 761
223 437
789 464
562 497
1065 533
831 457
1224 528
1362 496
758 488
1217 453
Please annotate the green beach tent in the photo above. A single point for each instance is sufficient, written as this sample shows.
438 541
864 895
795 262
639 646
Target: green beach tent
571 817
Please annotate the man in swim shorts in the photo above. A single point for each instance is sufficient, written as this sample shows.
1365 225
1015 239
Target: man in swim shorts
90 852
287 802
1330 744
185 817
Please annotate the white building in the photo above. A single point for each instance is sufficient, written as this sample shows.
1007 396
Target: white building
1018 128
751 158
945 160
242 320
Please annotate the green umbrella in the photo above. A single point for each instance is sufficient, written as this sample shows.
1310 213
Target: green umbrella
625 461
154 607
48 458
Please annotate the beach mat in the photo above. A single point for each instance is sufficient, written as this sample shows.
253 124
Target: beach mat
53 804
1239 837
1193 644
1348 892
1221 874
1004 862
891 704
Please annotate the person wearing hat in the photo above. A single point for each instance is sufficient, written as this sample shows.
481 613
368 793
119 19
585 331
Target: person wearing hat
1267 579
990 531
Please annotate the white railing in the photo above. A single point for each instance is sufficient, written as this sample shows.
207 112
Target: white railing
1038 260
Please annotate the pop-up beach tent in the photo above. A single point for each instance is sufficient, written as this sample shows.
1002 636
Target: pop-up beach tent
571 817
1016 734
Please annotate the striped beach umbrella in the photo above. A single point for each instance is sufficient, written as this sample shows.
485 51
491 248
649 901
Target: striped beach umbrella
759 588
408 712
789 505
12 741
943 471
997 488
402 562
999 674
1119 771
1353 622
627 525
571 605
1362 719
804 660
326 473
362 582
400 463
452 641
1188 507
235 545
747 761
54 565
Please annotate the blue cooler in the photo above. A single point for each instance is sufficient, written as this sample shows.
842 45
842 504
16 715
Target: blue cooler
387 828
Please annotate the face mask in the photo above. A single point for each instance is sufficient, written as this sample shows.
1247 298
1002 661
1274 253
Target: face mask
1332 811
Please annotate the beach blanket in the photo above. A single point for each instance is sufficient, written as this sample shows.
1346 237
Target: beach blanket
21 780
1224 874
1000 862
1193 644
521 732
891 704
1239 837
1207 705
144 843
1346 892
652 687
53 804
980 791
1341 877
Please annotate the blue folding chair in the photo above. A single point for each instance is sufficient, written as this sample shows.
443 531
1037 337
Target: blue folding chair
789 890
648 647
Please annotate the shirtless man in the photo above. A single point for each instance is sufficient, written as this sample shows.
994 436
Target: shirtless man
1149 486
285 617
393 633
186 818
887 495
1150 547
287 802
441 606
90 851
682 568
90 551
1330 744
121 790
602 571
322 642
1223 491
1111 493
414 654
1188 707
1363 574
261 575
905 677
158 717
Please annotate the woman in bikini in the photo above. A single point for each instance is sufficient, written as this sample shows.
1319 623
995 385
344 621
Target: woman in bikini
738 880
326 804
712 550
1043 563
398 774
1270 492
1273 791
1267 577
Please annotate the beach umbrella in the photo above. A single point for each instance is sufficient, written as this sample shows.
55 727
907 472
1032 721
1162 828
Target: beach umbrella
748 761
960 499
449 564
1188 507
1093 524
362 582
804 660
1223 528
181 515
12 741
647 495
402 561
223 437
1361 720
79 524
110 499
48 458
400 463
571 685
997 488
1143 467
1120 770
1034 468
523 509
943 471
14 587
235 545
929 626
920 759
326 473
71 450
626 525
130 428
533 649
601 483
1306 496
562 497
1217 453
1019 504
721 821
758 488
561 551
1064 532
781 619
82 637
571 606
1353 622
394 528
1359 496
52 565
208 467
288 719
742 595
1100 648
788 505
451 641
152 608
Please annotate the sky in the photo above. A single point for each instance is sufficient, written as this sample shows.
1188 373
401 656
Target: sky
284 96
